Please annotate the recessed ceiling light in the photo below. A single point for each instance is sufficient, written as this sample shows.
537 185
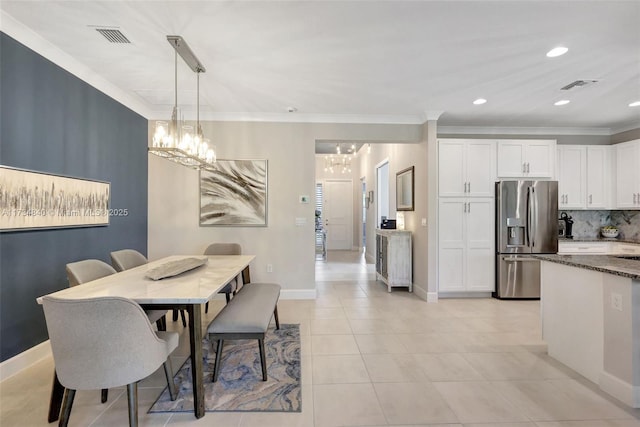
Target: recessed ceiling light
557 51
479 101
635 104
562 102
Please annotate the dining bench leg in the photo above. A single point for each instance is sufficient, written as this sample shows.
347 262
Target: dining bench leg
263 359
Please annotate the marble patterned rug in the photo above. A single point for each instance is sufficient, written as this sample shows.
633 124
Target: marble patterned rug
240 387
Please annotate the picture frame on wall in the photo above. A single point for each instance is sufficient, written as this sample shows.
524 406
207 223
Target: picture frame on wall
41 200
234 193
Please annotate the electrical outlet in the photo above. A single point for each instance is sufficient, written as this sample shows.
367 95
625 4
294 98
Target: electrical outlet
616 301
269 268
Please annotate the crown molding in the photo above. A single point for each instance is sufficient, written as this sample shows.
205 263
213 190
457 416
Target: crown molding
26 36
488 130
430 115
295 118
620 129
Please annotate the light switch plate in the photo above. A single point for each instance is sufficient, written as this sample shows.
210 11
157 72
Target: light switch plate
304 199
424 222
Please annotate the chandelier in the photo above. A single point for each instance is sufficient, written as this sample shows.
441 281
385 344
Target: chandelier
337 163
340 162
175 140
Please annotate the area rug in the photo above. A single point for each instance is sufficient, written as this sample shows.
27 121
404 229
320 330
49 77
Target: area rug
240 387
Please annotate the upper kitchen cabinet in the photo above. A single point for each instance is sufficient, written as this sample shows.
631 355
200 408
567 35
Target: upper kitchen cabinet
466 167
599 180
584 177
531 158
572 176
628 175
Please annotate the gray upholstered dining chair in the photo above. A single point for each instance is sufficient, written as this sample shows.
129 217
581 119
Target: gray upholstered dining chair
225 249
104 342
91 269
125 259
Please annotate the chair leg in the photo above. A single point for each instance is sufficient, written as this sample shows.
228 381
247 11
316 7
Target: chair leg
66 407
57 395
184 319
263 359
132 398
216 367
104 395
175 315
275 314
168 372
227 297
206 307
161 323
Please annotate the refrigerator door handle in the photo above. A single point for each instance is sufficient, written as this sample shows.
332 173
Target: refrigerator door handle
528 219
534 222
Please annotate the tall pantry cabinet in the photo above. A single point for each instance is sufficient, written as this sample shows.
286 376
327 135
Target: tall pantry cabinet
466 211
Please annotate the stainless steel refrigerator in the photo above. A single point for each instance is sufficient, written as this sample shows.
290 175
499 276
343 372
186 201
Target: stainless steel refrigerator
526 223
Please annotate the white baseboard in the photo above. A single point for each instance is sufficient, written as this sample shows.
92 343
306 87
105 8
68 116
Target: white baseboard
464 295
621 390
420 292
297 294
21 361
432 297
369 258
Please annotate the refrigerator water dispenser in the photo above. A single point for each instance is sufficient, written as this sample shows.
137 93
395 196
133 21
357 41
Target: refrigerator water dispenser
515 232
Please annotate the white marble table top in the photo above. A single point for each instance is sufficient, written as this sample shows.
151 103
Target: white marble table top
192 287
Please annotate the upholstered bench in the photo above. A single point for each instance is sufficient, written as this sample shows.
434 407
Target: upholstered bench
246 316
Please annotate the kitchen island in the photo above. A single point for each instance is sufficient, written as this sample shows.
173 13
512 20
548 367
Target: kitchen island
590 310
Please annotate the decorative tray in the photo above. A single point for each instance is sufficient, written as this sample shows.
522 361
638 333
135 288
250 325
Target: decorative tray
173 268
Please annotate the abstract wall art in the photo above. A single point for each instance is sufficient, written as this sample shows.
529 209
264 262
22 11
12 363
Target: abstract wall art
234 193
30 199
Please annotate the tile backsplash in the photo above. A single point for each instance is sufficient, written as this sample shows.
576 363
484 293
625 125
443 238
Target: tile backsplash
586 224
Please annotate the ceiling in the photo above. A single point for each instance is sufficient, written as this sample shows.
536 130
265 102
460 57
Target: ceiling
361 61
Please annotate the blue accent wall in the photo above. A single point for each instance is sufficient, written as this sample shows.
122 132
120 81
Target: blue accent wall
51 121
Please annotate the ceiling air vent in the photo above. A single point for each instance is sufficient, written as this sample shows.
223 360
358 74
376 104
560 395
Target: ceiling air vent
114 36
578 83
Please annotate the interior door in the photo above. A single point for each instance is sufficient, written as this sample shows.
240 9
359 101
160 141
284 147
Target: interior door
338 204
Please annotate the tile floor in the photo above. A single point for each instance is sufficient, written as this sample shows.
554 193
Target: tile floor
370 358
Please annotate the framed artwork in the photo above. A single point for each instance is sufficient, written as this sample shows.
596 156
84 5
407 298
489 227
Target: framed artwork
404 190
33 200
234 193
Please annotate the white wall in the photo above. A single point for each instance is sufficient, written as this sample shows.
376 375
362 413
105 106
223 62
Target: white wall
290 151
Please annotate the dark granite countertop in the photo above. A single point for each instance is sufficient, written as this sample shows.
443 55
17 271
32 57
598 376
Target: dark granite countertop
598 239
610 264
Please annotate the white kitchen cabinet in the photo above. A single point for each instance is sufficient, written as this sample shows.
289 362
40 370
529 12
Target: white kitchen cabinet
530 158
628 175
466 261
583 248
584 177
572 176
610 247
599 177
393 258
466 167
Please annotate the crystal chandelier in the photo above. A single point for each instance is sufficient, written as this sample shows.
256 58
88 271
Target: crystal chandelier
339 162
177 141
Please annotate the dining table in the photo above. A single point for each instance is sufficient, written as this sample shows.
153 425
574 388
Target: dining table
189 291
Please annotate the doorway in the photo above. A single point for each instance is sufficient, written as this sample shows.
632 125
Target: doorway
338 217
